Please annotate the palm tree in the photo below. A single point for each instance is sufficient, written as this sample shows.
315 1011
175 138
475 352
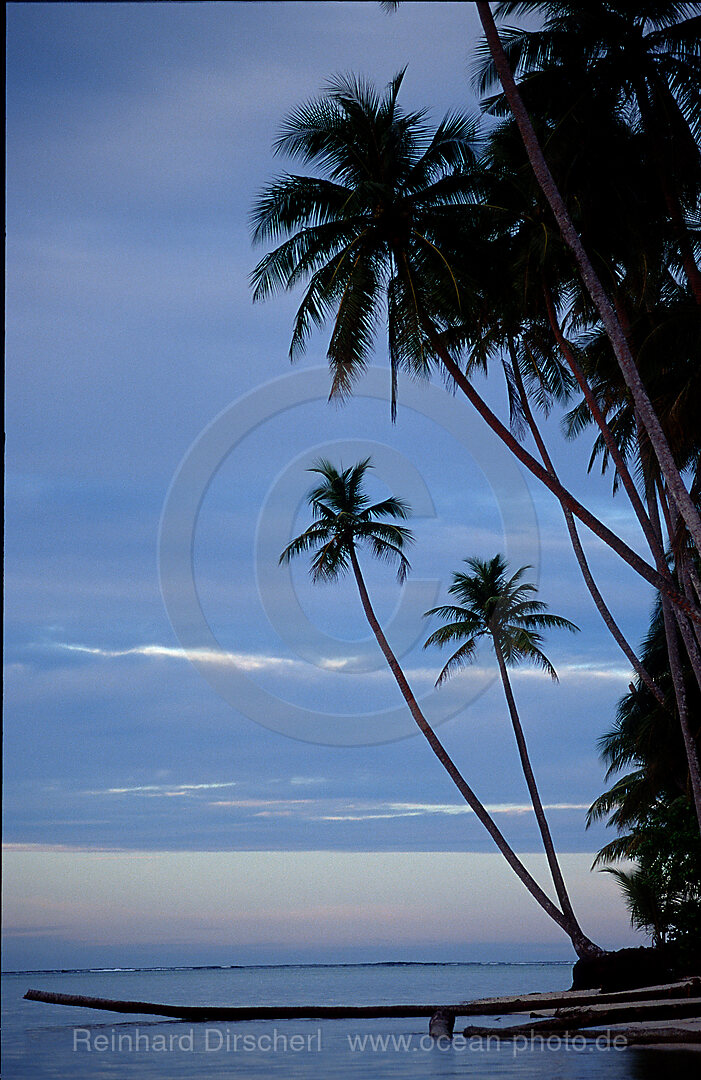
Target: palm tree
609 317
648 424
641 61
379 235
649 911
579 552
503 609
345 520
520 326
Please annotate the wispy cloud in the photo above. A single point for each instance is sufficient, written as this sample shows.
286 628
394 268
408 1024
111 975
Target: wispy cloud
162 789
342 810
240 660
246 661
256 803
580 669
390 811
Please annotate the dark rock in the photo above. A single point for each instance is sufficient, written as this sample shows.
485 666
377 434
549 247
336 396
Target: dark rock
624 969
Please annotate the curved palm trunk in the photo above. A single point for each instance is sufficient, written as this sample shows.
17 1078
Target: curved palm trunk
582 946
544 828
600 421
682 707
675 663
682 558
660 581
591 280
580 556
651 528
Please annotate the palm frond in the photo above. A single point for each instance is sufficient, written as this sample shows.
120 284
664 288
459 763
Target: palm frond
460 659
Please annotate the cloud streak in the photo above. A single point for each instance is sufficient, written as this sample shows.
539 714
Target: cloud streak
269 662
162 789
335 810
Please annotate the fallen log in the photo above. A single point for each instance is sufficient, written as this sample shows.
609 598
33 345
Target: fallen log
566 1021
645 1036
626 1013
234 1012
687 988
634 1036
679 993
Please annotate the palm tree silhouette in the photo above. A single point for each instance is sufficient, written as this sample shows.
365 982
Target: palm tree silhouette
648 417
639 60
504 610
379 236
344 520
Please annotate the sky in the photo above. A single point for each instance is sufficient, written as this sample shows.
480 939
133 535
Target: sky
179 707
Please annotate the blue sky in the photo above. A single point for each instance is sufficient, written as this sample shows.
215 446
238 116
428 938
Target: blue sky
138 136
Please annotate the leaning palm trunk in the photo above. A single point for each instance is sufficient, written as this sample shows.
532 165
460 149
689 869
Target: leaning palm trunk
682 557
600 421
675 664
591 280
651 529
544 828
582 945
660 580
682 707
580 556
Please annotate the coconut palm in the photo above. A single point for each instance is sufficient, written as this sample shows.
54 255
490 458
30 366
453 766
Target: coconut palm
649 911
648 424
345 521
641 61
504 610
645 738
520 327
378 235
662 336
648 417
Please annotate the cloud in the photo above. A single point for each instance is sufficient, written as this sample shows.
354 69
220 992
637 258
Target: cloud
271 662
243 661
341 810
162 789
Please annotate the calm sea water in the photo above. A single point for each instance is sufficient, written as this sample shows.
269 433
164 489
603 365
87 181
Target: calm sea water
52 1042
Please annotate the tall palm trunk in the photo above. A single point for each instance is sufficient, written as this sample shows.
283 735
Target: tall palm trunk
582 945
653 534
580 556
660 581
544 828
682 556
600 421
591 280
675 663
691 633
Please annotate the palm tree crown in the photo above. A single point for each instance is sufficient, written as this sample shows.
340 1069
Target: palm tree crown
496 606
344 518
631 51
369 235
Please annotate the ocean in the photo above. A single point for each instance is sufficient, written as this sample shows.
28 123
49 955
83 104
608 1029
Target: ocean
54 1042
